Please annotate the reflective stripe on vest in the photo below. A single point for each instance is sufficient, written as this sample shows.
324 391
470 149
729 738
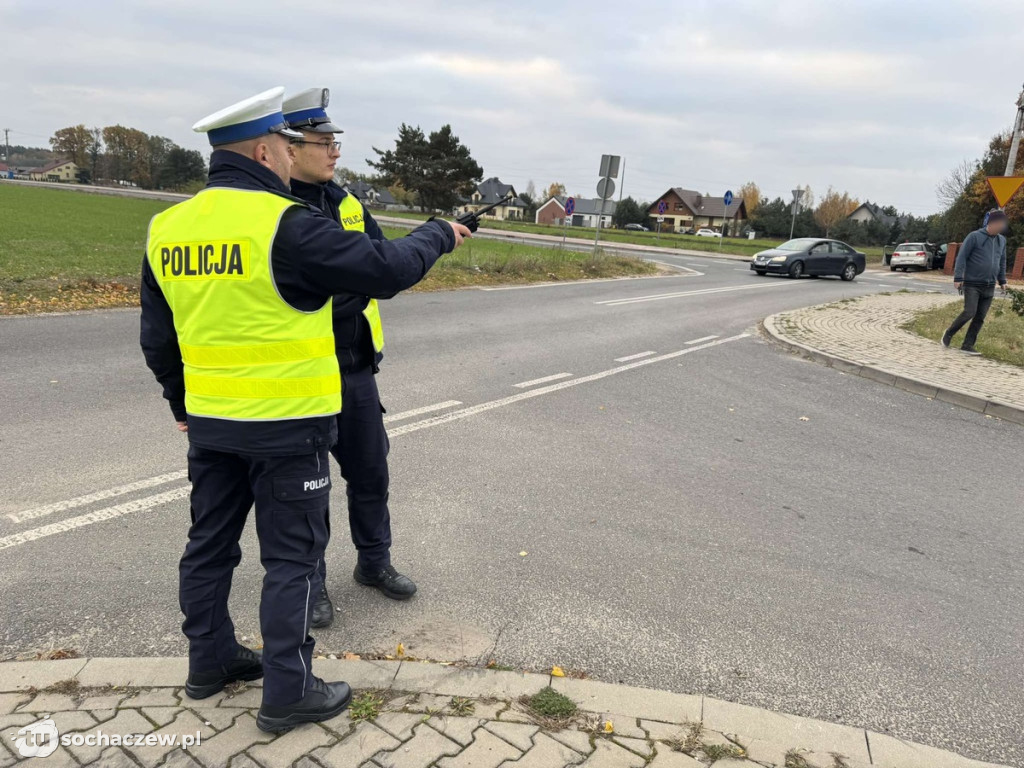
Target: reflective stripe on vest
351 214
248 354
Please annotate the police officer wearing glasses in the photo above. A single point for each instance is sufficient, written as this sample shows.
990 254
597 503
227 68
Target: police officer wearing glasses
237 288
362 447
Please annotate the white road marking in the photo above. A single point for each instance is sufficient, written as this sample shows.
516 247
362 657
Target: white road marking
148 502
682 294
701 339
885 285
578 282
90 498
473 410
138 505
421 411
637 356
544 380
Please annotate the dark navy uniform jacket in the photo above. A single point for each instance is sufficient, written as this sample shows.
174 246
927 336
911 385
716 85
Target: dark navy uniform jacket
313 259
352 339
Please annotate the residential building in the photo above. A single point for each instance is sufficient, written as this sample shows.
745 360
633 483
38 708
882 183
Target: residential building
55 170
869 212
370 195
491 191
6 172
687 209
552 213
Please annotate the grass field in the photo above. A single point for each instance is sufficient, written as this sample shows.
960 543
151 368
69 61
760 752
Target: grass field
1001 339
731 245
63 250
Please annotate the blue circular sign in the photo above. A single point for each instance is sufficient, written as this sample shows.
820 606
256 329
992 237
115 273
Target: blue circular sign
570 206
662 206
728 198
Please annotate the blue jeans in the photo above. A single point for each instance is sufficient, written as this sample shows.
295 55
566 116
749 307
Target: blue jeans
977 301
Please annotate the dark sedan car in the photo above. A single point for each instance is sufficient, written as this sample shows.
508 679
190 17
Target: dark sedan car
810 256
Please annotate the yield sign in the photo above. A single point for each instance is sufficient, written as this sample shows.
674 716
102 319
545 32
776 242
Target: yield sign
1005 187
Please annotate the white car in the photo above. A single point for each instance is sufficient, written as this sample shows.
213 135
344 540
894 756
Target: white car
707 233
920 255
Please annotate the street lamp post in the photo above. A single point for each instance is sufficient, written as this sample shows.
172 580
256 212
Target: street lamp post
798 195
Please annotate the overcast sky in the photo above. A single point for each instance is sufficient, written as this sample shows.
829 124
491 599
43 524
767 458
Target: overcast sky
877 98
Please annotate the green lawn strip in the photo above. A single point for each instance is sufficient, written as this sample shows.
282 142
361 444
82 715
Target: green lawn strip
64 250
1002 337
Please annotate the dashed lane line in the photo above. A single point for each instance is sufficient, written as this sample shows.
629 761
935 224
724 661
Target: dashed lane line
637 356
136 505
175 494
420 411
92 498
544 380
701 340
500 403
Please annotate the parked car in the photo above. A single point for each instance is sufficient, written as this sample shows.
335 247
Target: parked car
921 255
812 257
704 232
688 231
636 228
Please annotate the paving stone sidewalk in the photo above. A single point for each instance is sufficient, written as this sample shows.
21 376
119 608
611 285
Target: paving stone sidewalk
866 337
425 716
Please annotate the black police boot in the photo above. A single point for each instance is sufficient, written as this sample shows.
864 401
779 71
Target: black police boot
387 580
247 665
323 610
321 702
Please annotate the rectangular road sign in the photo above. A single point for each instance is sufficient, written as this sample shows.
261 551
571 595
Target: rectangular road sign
609 166
1005 187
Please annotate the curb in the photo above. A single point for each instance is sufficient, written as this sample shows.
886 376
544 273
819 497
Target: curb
762 729
972 402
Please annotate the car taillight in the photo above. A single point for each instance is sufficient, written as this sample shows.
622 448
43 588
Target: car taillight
920 253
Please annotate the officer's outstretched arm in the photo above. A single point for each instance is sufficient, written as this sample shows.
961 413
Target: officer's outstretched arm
334 260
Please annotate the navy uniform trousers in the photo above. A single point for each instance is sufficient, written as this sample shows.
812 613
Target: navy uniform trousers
362 454
291 495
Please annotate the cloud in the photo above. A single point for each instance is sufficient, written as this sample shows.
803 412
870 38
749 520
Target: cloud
878 98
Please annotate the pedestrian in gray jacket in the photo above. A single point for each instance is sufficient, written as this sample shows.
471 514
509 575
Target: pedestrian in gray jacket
980 264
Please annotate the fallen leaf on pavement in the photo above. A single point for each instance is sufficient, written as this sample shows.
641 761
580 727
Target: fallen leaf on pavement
557 672
401 650
523 554
608 727
351 656
804 418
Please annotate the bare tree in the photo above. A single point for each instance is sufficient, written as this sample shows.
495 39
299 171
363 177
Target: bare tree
956 183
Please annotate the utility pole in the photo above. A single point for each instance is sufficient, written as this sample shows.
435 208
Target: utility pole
7 146
1018 127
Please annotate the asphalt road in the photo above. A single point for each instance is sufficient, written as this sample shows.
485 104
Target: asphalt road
700 511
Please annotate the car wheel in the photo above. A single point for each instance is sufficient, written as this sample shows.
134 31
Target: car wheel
796 270
849 272
892 269
761 272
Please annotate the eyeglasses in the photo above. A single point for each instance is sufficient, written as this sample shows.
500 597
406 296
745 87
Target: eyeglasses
328 145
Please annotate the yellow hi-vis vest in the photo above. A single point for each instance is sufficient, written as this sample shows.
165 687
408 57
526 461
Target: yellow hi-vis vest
351 214
248 354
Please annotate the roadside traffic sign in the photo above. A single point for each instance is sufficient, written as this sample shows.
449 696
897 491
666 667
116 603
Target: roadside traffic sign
605 188
661 219
570 206
662 206
727 199
1005 187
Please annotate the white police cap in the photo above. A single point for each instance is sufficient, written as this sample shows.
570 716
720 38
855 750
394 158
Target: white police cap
307 111
256 116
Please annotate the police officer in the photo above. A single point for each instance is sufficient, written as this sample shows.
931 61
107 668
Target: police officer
236 325
362 447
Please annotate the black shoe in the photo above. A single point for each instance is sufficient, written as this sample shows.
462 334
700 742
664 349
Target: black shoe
947 339
247 665
321 702
970 351
323 610
387 580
